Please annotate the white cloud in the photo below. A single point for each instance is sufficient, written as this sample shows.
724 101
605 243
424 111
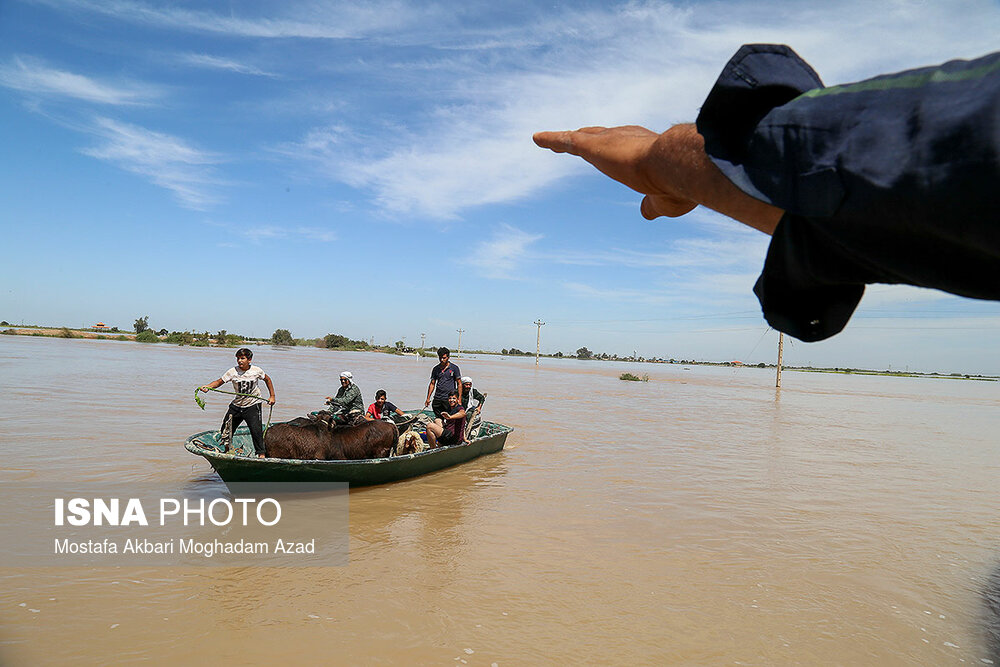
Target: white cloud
214 62
737 250
30 75
636 296
502 256
647 63
167 161
276 232
314 20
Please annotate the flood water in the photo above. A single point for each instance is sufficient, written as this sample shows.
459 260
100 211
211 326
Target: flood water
700 518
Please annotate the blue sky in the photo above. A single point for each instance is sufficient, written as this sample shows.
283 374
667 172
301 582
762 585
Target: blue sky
367 169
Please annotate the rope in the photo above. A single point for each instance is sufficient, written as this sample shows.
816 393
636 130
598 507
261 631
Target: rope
201 403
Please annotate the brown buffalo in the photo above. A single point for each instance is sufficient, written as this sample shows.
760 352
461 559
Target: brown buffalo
315 439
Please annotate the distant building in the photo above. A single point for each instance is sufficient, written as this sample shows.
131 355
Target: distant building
100 325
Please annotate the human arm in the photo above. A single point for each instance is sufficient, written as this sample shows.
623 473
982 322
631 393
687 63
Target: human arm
458 414
430 392
888 180
339 400
270 388
214 384
671 169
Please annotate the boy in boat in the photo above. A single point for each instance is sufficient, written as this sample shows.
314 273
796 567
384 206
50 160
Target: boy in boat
347 406
381 407
449 428
444 380
247 406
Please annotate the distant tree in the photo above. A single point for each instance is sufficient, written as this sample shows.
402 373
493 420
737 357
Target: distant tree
147 336
5 323
335 340
220 337
558 354
162 332
503 351
584 353
180 338
282 337
399 345
141 324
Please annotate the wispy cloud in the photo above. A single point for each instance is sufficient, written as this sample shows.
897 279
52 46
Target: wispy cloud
31 75
648 63
167 161
276 232
502 256
737 249
316 20
616 294
226 64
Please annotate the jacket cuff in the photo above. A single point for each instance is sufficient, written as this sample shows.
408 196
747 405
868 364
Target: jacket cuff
757 79
792 299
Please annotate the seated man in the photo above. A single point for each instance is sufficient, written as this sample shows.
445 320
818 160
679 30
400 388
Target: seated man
473 417
347 406
382 408
447 429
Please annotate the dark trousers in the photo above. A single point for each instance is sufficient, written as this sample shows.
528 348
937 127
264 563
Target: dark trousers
235 416
439 405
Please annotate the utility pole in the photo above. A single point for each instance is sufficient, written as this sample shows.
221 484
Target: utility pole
459 341
538 338
781 349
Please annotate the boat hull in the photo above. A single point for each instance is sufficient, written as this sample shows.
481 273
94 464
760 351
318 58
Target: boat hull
364 472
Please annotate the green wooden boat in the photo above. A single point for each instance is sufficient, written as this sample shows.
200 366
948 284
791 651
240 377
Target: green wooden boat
244 467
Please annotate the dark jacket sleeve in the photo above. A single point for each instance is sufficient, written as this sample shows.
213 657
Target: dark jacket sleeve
889 180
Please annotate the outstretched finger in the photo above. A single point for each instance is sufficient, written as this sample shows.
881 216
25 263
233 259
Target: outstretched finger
560 142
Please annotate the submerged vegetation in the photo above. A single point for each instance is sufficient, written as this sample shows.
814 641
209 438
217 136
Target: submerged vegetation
633 378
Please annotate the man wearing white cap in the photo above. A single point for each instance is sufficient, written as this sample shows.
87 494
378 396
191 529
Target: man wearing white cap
347 406
469 393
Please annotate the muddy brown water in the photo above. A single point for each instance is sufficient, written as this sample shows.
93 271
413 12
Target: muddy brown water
699 518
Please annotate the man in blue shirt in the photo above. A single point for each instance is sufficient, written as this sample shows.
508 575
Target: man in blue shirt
444 380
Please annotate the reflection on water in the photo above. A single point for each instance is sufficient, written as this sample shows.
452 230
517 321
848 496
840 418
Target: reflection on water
699 518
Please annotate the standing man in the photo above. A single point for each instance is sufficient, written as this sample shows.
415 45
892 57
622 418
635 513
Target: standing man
347 406
247 406
444 380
